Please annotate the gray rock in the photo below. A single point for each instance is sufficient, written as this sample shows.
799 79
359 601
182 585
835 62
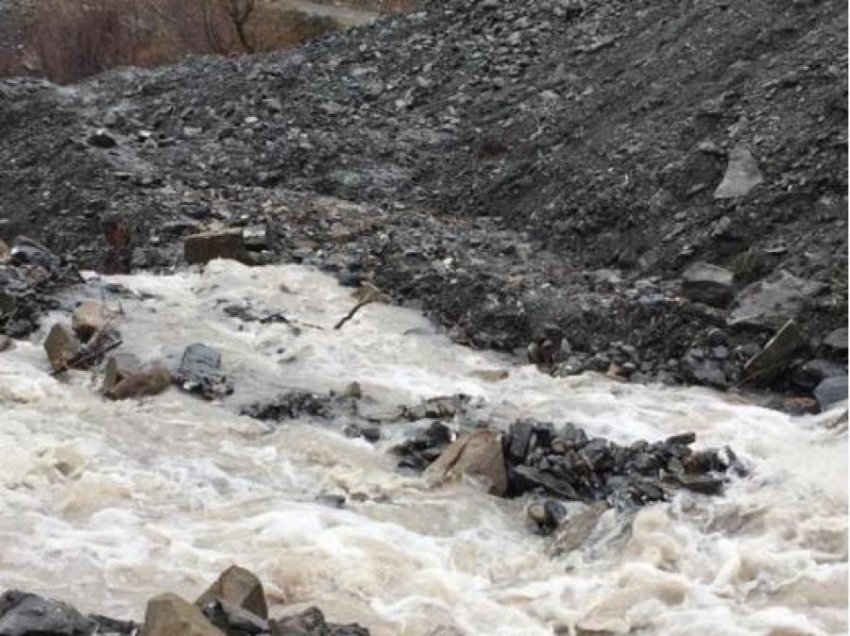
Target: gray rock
808 375
101 139
199 372
708 284
831 391
766 365
835 343
23 614
742 175
769 303
478 455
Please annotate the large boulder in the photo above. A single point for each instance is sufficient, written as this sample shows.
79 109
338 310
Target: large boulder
707 284
478 455
239 587
88 318
151 380
170 615
24 614
769 303
311 622
831 391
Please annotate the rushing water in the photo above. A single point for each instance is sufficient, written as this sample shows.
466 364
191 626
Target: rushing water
108 503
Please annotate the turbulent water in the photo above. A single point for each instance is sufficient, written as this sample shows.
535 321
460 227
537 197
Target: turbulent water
108 503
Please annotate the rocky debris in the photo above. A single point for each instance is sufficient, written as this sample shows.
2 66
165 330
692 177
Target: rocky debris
769 303
199 372
88 318
204 247
438 408
742 175
147 381
708 284
62 347
5 252
775 356
831 391
423 446
239 587
368 432
311 622
296 404
478 455
170 615
24 614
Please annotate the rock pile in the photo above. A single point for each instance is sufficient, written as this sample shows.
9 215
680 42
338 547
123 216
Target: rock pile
234 605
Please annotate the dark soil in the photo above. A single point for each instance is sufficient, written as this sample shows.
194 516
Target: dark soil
531 171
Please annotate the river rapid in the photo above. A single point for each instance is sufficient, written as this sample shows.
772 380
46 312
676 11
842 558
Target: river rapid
105 504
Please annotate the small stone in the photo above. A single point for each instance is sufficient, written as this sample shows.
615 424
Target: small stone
742 175
170 615
88 318
101 139
151 380
240 587
831 391
204 247
709 284
255 237
61 346
353 390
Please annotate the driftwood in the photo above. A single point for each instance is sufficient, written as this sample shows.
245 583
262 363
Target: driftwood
367 294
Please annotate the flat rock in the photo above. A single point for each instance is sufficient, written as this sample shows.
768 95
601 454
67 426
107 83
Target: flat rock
769 303
61 346
206 246
239 587
831 391
24 614
478 455
742 175
151 380
768 363
706 283
170 615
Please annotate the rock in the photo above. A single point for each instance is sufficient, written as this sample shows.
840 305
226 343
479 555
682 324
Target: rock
61 346
199 372
5 253
112 627
29 252
119 367
809 374
577 526
24 614
769 303
151 380
762 369
706 283
239 587
255 237
6 343
478 455
311 622
170 615
88 318
742 175
546 515
233 620
204 247
704 371
834 345
527 478
831 391
101 139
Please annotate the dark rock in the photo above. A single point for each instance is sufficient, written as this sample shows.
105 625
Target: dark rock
704 371
311 622
101 139
238 587
234 620
295 404
770 303
708 284
23 614
255 237
199 372
831 391
204 247
809 374
834 345
775 356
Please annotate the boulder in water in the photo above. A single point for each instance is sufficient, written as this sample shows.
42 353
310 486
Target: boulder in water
151 380
206 246
170 615
61 346
24 614
707 284
239 587
478 455
199 372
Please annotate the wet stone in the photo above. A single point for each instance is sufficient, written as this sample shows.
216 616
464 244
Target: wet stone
311 622
24 614
199 372
204 247
234 620
240 588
